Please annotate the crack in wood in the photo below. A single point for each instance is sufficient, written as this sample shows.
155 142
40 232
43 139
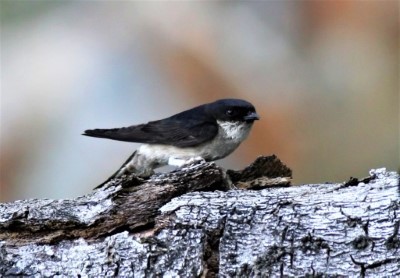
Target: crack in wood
364 266
211 250
393 242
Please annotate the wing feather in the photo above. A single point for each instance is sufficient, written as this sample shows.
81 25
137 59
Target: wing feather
167 132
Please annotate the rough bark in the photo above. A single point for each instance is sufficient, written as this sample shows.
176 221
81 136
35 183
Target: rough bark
195 222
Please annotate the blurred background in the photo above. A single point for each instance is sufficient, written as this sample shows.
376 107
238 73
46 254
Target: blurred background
323 75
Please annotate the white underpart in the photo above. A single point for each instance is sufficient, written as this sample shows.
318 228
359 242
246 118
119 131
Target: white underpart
179 162
234 131
229 137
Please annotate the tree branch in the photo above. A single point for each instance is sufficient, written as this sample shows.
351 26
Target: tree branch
191 223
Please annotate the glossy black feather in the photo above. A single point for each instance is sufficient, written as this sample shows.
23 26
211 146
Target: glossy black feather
186 129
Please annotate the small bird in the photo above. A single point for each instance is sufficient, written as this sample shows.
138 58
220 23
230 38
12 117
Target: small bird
207 132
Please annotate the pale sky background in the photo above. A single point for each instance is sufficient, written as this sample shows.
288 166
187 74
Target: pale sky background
323 75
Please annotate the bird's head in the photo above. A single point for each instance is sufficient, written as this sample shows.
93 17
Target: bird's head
232 110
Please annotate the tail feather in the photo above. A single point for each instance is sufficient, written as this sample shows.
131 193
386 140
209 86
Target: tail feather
101 133
128 134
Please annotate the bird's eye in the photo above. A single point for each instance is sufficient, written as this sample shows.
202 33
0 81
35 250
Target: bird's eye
229 112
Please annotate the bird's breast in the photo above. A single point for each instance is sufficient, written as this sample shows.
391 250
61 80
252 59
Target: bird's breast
234 131
229 137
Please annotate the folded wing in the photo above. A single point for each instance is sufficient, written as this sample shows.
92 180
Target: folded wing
167 132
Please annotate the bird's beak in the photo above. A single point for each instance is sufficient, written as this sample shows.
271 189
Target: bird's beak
252 117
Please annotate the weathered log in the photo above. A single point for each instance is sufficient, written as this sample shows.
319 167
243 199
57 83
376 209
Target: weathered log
136 228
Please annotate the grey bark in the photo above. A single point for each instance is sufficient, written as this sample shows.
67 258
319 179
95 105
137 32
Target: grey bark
191 223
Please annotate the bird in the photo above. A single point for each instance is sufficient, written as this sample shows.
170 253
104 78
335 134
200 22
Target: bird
207 132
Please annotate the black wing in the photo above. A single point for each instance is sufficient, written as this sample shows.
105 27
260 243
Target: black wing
180 133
